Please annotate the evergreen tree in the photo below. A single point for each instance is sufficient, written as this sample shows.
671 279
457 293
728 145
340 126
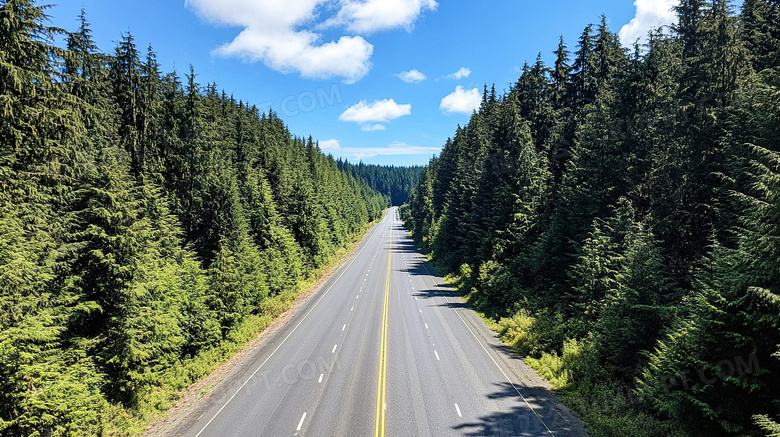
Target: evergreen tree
760 28
583 77
126 78
47 384
149 94
86 75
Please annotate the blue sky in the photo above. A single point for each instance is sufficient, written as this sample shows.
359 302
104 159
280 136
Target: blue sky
385 81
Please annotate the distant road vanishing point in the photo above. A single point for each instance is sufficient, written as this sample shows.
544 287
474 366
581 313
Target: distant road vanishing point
384 348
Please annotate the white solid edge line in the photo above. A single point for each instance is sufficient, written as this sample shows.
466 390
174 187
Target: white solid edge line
300 424
491 357
285 338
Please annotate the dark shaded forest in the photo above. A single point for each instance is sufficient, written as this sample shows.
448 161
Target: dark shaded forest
149 227
616 214
394 182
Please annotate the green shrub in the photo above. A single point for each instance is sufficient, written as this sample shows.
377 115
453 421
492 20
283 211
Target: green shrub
561 370
609 411
462 280
518 332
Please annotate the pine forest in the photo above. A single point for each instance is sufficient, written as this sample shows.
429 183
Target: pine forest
616 216
394 182
149 227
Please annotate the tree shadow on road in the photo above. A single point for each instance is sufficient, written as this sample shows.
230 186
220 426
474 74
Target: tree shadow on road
518 419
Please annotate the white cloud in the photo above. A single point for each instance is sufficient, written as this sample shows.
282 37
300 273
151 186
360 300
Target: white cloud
284 36
411 76
372 127
461 101
375 112
394 149
297 51
330 145
649 14
460 74
368 16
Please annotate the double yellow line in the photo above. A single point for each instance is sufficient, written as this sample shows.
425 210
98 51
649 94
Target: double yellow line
382 381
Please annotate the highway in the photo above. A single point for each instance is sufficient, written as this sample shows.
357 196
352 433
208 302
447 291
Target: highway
384 348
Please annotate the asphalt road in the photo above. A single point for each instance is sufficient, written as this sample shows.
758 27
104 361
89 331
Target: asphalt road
385 348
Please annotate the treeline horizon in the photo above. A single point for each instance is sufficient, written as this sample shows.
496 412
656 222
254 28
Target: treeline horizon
149 227
395 182
616 214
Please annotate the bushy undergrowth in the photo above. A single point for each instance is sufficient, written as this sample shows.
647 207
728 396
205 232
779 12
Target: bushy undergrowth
517 331
573 371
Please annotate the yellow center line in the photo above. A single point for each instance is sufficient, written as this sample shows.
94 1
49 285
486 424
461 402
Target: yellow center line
382 380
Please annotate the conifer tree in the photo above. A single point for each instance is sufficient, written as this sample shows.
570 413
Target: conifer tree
126 78
150 98
583 77
761 32
86 74
40 162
